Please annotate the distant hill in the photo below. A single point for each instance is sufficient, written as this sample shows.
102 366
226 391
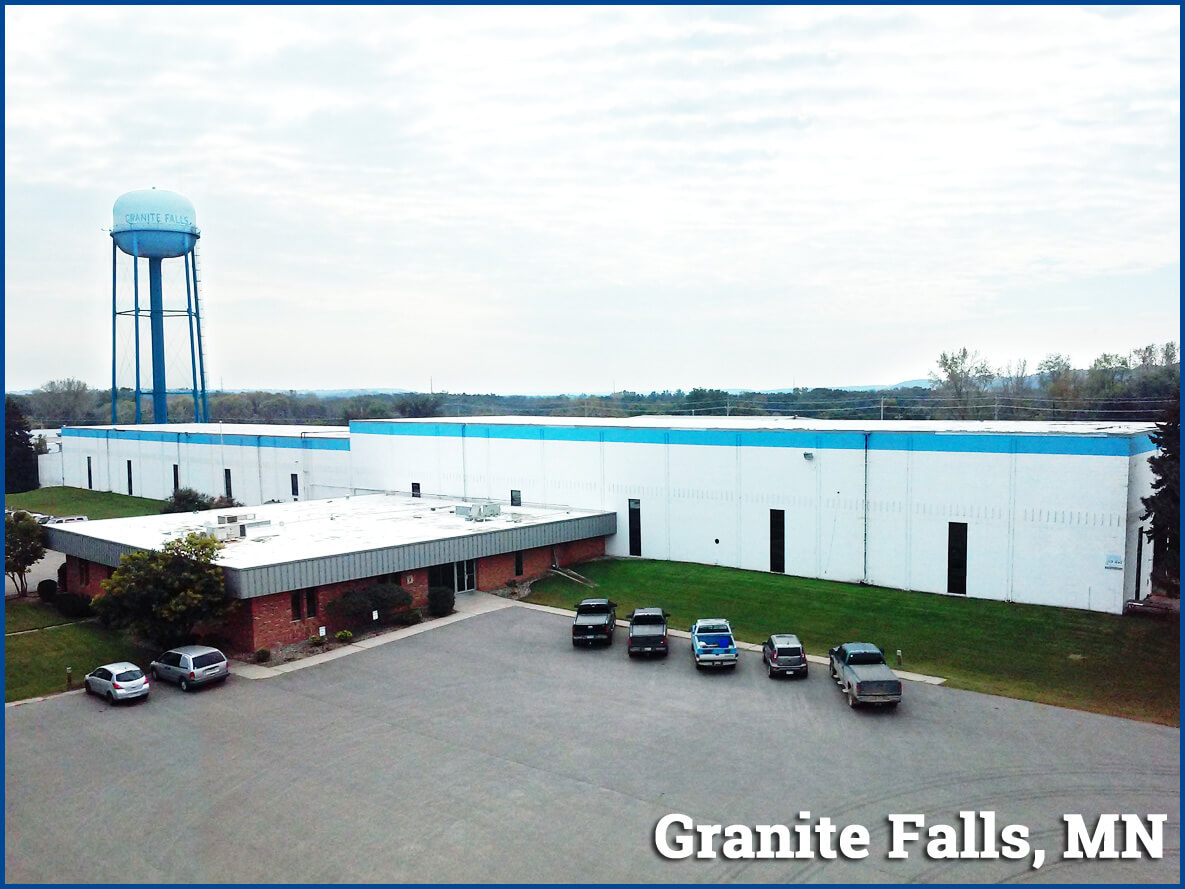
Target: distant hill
908 384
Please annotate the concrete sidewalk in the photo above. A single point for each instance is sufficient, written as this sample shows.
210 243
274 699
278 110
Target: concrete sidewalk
46 569
466 606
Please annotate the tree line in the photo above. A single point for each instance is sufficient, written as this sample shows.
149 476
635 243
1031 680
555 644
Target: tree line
963 385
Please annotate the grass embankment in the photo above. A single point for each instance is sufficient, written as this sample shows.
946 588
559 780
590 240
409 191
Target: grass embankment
1122 666
35 663
31 614
62 501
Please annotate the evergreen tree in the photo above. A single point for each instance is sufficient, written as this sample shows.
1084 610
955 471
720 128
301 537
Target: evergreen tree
20 457
1163 508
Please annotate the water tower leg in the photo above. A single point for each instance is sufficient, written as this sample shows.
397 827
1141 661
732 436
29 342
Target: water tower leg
197 410
160 397
136 316
114 316
197 318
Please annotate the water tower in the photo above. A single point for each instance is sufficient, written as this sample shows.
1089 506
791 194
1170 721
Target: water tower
154 225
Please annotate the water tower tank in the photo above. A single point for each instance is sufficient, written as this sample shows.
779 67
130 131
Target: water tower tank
154 223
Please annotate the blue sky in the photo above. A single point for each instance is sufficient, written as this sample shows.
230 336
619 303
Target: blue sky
581 199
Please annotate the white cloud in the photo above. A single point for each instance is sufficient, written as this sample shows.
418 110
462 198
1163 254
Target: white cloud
581 171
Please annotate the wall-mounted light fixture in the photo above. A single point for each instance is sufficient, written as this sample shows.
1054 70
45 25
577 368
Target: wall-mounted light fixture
808 455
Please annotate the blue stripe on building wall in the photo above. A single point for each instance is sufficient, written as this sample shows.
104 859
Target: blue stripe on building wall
1108 446
207 438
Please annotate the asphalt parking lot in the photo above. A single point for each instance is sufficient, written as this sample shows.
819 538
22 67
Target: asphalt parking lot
490 750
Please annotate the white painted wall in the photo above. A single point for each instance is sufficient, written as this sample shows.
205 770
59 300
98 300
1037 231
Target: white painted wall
50 469
258 473
1040 526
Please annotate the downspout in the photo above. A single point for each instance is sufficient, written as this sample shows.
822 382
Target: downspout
865 575
464 472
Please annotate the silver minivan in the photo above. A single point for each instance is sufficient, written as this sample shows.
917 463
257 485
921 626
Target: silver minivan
190 666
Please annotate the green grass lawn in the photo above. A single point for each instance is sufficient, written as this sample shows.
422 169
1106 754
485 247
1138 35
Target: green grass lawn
1123 666
31 613
81 501
35 663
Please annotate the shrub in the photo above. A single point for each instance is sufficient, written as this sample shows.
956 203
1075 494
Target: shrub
263 655
62 587
73 605
47 590
317 639
187 500
410 616
343 635
355 608
441 600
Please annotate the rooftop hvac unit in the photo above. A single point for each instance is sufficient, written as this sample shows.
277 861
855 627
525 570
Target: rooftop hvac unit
479 512
235 519
245 527
221 531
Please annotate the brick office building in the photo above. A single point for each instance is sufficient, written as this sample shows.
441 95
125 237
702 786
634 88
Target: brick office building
286 562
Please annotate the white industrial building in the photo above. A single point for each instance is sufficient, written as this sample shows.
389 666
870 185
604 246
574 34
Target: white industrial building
1043 513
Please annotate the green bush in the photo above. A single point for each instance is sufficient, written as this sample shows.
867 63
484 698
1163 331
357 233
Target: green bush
441 600
318 640
343 636
73 605
263 655
354 610
47 590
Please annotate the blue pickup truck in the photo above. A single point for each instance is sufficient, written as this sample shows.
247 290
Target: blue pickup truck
712 643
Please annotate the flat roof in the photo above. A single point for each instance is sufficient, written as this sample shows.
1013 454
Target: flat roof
314 542
282 431
804 424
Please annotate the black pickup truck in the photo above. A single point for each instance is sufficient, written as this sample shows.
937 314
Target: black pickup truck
648 632
595 621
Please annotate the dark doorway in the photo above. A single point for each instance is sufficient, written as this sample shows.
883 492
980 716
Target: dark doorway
777 541
89 480
415 489
456 576
956 558
635 527
129 477
226 479
295 486
176 478
1139 558
516 497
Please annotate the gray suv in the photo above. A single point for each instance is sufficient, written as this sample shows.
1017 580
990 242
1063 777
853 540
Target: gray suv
783 654
190 666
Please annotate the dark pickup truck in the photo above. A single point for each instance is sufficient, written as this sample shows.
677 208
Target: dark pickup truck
860 671
595 621
648 632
